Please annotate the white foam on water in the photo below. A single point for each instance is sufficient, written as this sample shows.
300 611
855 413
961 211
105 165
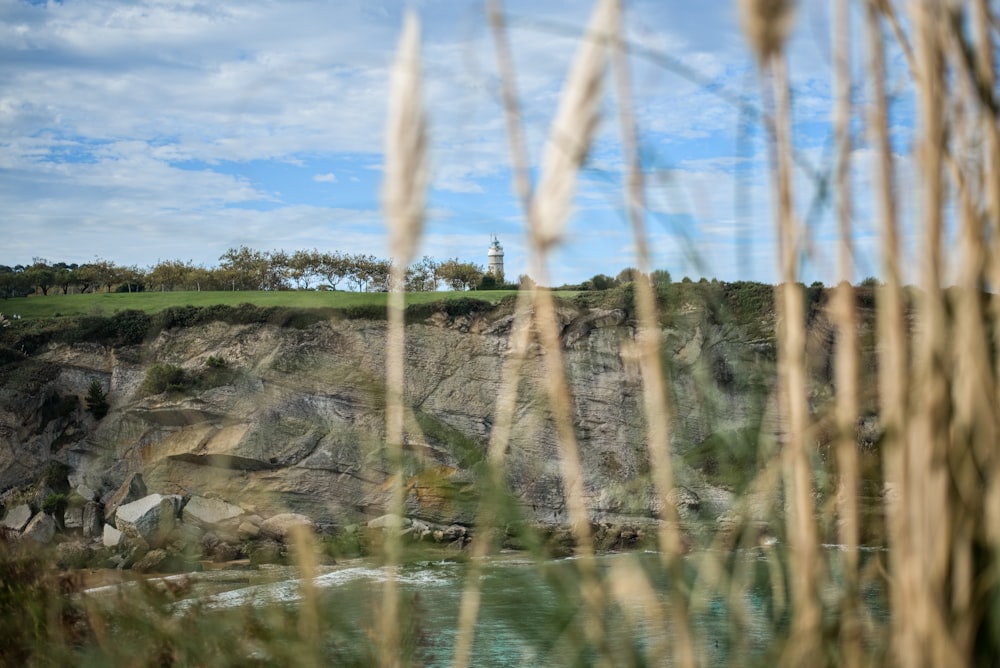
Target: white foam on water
290 591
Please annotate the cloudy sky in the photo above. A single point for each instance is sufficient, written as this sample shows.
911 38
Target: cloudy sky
176 129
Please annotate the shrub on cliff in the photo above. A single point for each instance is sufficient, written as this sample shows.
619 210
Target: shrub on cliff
164 378
97 399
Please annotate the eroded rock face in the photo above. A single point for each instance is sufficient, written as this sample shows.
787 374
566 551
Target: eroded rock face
296 424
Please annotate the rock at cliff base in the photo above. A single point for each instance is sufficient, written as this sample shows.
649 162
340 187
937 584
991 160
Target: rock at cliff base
18 517
279 527
248 530
150 562
92 519
73 518
131 490
40 529
206 511
112 536
150 518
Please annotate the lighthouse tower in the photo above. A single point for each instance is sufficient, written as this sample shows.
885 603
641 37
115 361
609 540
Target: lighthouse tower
495 255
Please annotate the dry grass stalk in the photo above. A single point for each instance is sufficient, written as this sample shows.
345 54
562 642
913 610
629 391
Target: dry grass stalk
403 200
487 521
547 210
930 527
406 171
985 54
893 375
801 528
846 364
767 24
568 143
655 399
572 132
519 340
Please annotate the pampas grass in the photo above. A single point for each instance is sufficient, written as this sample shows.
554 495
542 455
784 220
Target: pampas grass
404 193
572 131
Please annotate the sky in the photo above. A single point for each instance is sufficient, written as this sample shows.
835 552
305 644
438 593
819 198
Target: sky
176 129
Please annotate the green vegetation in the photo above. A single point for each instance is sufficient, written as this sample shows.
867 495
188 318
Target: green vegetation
97 399
54 306
164 378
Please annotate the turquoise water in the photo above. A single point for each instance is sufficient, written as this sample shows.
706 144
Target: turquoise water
531 615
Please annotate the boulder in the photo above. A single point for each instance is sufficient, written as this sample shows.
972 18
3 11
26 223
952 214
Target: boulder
131 490
40 529
248 530
206 511
280 526
93 515
18 517
86 493
150 518
112 536
72 554
73 518
150 562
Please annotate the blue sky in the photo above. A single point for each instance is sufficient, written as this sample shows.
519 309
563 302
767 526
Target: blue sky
175 129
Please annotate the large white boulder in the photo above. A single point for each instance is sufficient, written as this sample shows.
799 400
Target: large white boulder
112 536
206 511
150 518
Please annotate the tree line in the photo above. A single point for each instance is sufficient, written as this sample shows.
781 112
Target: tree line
244 268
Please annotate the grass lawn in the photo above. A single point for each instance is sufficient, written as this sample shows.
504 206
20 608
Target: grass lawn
153 302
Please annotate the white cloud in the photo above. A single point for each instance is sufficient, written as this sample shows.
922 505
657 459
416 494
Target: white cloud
151 129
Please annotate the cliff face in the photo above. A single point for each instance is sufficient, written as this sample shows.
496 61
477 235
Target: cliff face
294 420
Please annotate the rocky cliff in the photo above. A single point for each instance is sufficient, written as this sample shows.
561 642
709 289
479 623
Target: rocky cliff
283 419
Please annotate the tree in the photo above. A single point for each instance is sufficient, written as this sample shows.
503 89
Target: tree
460 275
247 268
13 283
422 276
97 399
40 275
86 276
169 275
628 275
599 282
659 279
334 267
304 267
131 278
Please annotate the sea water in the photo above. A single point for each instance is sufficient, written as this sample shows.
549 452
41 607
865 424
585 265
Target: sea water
531 612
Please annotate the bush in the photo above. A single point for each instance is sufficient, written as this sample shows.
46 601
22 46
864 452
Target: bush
214 362
164 378
97 399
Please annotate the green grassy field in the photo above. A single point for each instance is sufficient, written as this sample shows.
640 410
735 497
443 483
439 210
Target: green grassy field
153 302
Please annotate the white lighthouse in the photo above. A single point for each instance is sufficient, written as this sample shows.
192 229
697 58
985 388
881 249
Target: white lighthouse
495 255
